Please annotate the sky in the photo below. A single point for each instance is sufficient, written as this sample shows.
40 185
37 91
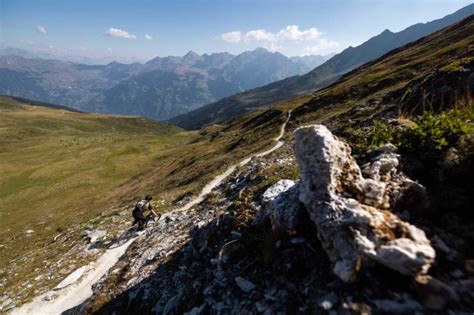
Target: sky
143 29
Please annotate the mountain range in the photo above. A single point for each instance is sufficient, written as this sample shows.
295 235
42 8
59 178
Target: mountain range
329 72
159 89
178 88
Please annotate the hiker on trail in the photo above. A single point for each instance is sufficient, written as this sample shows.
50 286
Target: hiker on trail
139 213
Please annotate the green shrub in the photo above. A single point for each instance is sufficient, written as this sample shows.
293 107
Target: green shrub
427 137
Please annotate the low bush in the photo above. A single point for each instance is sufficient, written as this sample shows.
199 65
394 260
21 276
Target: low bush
427 136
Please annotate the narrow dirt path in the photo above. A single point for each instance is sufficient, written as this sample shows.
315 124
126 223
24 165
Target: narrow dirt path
76 293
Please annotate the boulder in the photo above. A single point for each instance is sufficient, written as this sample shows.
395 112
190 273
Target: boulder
352 212
281 205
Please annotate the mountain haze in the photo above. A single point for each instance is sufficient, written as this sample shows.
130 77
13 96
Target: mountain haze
160 89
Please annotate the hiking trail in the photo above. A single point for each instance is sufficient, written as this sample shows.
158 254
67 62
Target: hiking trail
73 295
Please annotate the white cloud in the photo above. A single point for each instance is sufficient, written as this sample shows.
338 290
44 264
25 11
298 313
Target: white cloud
148 37
109 49
323 44
41 29
259 35
115 32
232 37
290 33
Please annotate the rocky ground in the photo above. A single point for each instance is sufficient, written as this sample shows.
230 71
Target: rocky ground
304 229
257 244
81 244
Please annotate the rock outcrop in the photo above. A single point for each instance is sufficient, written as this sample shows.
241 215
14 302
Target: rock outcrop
352 212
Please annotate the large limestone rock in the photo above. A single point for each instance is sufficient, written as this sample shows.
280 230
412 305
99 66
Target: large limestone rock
352 213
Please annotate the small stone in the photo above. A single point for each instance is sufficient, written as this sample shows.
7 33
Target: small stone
297 240
244 284
327 302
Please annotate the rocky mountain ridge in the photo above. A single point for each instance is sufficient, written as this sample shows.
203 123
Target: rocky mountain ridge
160 89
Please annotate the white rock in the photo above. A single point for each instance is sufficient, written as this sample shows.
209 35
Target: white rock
348 209
276 189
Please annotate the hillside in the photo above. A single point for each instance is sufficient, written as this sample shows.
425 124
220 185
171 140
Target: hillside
159 89
325 74
264 240
66 174
58 167
407 80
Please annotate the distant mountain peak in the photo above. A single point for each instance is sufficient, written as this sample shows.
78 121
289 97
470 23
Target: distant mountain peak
260 49
191 55
114 63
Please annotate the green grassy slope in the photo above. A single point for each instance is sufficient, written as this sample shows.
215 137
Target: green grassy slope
61 169
57 165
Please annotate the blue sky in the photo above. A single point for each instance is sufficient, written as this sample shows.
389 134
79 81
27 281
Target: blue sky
145 29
